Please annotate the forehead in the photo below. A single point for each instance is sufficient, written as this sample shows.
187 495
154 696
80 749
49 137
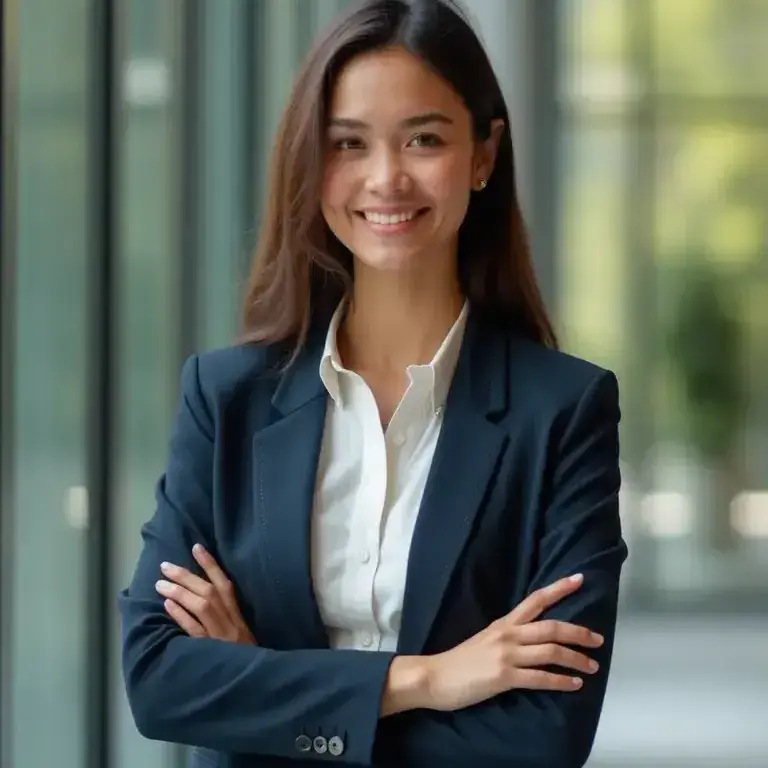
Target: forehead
392 84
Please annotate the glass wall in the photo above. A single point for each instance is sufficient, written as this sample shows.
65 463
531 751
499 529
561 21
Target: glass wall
664 143
45 697
148 265
225 219
641 133
194 94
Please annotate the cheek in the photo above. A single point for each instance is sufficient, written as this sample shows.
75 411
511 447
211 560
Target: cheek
449 184
337 188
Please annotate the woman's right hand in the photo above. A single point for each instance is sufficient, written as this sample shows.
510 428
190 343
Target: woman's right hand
507 653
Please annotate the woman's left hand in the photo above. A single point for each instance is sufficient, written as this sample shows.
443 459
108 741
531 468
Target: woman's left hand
203 608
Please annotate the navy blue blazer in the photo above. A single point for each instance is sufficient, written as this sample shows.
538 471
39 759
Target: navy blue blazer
523 490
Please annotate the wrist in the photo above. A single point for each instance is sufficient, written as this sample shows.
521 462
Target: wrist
407 685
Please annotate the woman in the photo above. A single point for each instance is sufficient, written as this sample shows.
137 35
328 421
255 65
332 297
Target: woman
388 531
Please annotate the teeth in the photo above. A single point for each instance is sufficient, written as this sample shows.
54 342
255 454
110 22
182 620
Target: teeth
397 218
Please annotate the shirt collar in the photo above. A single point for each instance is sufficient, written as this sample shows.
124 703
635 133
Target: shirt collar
330 362
435 376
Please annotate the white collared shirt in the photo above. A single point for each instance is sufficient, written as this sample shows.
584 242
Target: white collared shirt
368 492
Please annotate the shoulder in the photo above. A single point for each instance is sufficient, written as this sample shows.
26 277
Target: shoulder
557 383
218 375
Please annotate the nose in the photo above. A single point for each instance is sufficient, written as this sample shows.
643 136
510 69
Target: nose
386 174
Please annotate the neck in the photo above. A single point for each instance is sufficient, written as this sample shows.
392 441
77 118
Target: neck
394 320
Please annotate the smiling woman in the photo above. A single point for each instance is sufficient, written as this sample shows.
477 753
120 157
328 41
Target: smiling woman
388 531
396 113
398 179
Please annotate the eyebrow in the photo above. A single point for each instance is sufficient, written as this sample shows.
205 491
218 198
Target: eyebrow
417 121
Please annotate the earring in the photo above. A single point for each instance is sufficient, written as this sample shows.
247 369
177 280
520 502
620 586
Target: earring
483 184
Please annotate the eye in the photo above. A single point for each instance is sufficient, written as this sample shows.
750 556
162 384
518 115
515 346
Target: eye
426 141
348 143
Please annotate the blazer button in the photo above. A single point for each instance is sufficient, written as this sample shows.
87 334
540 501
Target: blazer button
320 744
303 743
335 746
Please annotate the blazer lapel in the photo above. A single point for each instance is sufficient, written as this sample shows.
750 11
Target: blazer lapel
285 464
466 455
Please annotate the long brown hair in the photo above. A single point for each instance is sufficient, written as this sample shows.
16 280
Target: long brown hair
300 270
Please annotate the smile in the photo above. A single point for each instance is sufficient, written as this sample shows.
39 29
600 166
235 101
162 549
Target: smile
384 218
394 221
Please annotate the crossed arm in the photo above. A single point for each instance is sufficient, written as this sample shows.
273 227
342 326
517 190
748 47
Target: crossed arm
238 697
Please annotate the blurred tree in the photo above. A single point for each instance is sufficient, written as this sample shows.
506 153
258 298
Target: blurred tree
710 47
705 344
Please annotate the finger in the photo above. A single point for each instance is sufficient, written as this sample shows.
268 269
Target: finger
536 680
551 654
538 602
187 579
192 627
211 606
201 608
218 578
560 632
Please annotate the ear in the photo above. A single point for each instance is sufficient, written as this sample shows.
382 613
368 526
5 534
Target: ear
485 154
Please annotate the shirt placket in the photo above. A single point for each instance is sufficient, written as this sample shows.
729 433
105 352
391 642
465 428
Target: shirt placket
369 513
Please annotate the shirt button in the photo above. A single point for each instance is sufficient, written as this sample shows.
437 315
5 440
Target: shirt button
321 745
303 743
365 556
399 439
367 640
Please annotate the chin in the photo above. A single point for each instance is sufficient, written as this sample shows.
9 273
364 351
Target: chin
388 259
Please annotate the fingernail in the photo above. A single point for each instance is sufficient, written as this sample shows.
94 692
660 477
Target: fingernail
598 638
198 549
577 681
577 577
166 566
161 585
593 665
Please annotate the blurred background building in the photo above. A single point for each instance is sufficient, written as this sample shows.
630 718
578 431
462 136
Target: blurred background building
135 140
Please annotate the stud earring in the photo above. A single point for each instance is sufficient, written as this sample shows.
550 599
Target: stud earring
483 184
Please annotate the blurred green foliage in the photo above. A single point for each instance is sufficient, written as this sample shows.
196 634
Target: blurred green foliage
705 343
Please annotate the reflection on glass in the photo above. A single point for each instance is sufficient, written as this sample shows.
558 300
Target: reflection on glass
709 403
680 230
596 75
324 11
147 281
712 193
48 616
711 46
594 275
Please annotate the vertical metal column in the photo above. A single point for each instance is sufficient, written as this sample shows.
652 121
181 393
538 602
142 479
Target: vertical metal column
102 297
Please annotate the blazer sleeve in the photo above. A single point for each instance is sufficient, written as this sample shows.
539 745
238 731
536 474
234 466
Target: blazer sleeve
224 696
581 534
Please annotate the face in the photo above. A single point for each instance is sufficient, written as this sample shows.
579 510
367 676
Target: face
401 163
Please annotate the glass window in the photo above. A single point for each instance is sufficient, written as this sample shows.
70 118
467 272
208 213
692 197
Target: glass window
711 47
324 11
278 45
147 285
48 616
597 74
223 227
664 230
593 259
709 405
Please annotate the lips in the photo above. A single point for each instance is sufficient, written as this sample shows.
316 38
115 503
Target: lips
393 218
